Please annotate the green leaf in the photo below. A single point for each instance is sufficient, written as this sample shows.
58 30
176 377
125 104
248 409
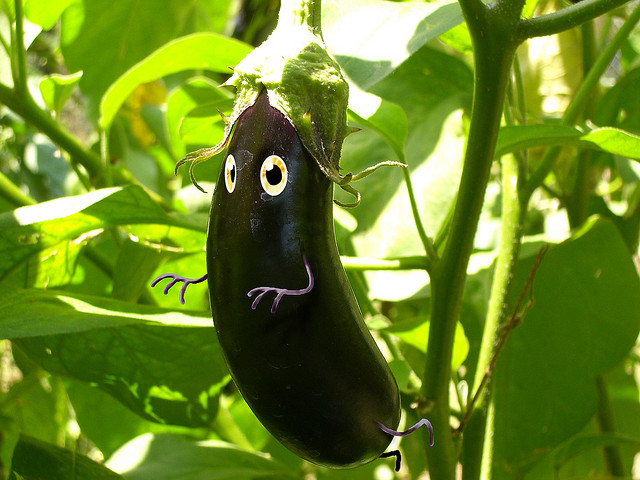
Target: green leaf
386 118
204 123
35 313
606 139
584 321
45 12
34 459
103 419
31 407
184 99
415 332
105 39
171 239
39 244
614 140
370 38
165 373
167 457
521 137
432 89
136 262
458 37
56 89
206 51
581 443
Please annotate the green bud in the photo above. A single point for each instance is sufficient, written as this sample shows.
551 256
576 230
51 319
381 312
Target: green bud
303 82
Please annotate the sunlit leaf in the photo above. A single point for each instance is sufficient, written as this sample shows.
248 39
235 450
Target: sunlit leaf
415 332
184 99
206 51
371 38
56 89
607 139
39 244
45 12
36 459
166 457
386 118
35 313
105 39
164 365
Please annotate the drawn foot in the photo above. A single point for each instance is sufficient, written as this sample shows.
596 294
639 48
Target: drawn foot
396 433
176 279
393 453
281 292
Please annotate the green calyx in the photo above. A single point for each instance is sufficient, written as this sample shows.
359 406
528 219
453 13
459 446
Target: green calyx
303 82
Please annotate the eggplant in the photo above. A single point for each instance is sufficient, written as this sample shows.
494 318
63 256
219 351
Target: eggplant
287 320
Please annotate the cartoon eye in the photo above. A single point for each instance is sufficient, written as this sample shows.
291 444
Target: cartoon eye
230 173
273 175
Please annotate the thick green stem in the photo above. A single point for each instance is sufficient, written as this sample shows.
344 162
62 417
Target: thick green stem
513 212
491 30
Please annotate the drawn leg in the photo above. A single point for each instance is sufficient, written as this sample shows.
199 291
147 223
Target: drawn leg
177 278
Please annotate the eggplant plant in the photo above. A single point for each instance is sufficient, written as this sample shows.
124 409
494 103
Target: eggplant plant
484 281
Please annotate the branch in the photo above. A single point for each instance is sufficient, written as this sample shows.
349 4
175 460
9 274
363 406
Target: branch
400 263
494 49
19 52
566 18
432 253
10 192
29 111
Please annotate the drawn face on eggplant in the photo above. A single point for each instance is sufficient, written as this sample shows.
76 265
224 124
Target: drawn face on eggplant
270 184
288 323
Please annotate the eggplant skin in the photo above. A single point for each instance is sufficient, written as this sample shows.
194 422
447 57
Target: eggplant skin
311 372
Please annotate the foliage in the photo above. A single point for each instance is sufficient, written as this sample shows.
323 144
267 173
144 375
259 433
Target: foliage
520 126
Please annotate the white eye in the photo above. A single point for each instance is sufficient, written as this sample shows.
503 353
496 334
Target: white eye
273 175
230 173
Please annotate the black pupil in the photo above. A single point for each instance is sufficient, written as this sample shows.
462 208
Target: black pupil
232 172
274 175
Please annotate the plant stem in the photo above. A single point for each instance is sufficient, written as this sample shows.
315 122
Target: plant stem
491 31
19 53
513 213
510 236
27 109
566 18
486 466
10 192
578 201
606 423
432 253
582 96
400 263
